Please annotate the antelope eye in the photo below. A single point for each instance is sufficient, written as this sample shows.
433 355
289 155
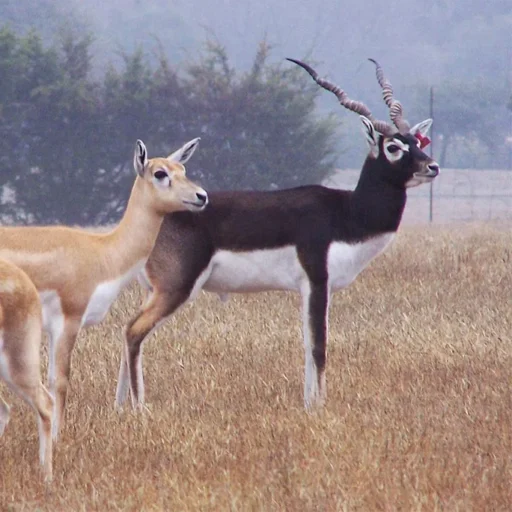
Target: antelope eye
393 148
160 175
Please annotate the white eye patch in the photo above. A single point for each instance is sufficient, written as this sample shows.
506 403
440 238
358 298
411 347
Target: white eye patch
161 179
394 149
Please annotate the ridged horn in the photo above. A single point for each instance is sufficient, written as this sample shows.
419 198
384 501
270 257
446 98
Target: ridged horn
395 107
355 106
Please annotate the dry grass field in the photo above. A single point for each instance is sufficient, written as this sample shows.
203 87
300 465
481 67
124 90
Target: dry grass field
418 416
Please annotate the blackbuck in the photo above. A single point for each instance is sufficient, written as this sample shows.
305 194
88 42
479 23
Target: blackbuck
310 239
20 343
78 274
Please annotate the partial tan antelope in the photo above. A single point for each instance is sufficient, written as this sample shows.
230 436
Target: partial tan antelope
20 343
78 274
312 240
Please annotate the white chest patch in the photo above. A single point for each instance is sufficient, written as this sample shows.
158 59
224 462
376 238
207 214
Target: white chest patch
105 294
346 261
254 271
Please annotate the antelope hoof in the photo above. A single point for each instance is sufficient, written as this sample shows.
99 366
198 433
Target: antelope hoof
55 431
119 406
314 402
48 477
143 408
3 424
4 417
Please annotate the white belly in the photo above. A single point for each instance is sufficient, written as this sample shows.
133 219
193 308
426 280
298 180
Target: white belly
254 271
280 269
105 294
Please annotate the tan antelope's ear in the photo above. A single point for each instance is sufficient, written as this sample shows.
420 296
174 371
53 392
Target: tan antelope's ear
183 154
140 157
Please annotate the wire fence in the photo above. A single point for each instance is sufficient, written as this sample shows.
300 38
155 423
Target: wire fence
456 195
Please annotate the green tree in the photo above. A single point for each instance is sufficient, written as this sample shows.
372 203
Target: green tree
54 143
25 67
259 128
67 139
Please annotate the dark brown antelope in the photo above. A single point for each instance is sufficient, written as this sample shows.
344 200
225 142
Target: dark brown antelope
312 239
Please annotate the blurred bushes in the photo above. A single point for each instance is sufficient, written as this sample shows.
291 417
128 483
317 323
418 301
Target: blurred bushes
67 137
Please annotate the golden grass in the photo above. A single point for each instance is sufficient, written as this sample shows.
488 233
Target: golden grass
418 415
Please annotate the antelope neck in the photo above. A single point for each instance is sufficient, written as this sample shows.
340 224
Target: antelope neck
376 202
134 237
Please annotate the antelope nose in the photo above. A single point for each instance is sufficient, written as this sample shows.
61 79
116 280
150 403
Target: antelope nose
202 198
434 169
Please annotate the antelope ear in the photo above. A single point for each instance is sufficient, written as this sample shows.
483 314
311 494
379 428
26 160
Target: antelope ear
140 157
421 128
371 135
183 154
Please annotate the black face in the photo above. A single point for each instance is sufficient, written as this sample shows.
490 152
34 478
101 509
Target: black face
404 164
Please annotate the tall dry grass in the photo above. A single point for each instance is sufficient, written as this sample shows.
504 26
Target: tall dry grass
418 416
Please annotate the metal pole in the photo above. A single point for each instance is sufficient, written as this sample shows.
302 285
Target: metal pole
431 194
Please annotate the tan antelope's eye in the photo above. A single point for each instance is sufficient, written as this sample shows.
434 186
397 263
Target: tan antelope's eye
160 175
161 179
393 148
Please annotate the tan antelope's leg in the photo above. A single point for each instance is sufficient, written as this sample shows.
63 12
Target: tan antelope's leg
123 379
41 401
61 354
36 395
4 415
25 380
159 306
44 404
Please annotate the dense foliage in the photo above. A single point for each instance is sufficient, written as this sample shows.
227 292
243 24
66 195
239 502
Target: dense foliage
67 138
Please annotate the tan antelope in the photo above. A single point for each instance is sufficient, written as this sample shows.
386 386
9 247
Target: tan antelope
312 240
20 343
78 274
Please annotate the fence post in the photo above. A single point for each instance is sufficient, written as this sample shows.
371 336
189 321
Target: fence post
431 194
